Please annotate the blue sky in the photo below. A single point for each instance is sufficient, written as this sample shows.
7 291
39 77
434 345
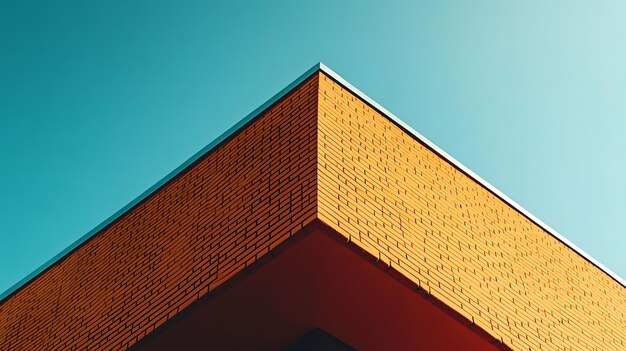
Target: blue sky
100 100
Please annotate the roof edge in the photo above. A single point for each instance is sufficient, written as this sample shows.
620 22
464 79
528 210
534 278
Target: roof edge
252 116
173 174
470 173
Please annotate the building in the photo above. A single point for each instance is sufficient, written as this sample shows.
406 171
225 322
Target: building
320 221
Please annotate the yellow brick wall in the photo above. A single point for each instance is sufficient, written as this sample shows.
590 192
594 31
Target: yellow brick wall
403 203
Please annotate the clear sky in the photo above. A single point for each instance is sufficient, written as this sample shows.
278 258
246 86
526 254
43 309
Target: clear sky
101 99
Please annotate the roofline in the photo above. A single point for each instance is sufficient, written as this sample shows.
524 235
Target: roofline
319 67
173 174
471 174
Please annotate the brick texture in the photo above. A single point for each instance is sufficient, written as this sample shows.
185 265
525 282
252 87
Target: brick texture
320 152
403 203
227 210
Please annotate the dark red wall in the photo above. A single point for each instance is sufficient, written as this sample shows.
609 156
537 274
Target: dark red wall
317 282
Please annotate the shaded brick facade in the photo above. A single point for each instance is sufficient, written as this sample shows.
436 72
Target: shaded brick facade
234 205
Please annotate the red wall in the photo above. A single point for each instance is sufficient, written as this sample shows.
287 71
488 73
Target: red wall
317 282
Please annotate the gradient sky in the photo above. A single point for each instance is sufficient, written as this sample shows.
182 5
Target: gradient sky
101 99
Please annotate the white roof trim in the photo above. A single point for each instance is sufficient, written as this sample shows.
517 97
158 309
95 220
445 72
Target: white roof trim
469 172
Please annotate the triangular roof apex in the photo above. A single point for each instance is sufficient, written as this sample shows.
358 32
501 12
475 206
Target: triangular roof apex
249 118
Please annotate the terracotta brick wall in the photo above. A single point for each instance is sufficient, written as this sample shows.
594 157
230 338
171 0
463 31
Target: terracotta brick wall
234 205
403 203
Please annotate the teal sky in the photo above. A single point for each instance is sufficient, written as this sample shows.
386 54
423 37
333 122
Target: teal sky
101 99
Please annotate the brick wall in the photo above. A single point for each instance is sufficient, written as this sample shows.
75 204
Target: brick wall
320 152
227 210
401 202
